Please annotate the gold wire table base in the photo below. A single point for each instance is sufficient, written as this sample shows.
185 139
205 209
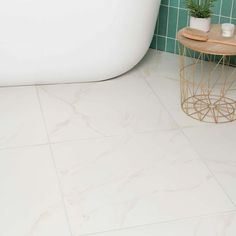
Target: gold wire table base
208 86
210 108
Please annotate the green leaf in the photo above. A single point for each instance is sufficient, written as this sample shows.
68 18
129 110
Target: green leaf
200 8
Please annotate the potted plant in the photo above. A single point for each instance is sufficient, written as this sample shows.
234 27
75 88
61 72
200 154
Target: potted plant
200 13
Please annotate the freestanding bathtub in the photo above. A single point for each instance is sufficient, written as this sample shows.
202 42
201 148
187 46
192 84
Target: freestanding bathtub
59 41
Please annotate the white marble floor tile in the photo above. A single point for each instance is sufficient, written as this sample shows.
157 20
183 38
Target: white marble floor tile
115 184
222 225
30 202
168 90
157 64
118 182
126 104
21 122
217 146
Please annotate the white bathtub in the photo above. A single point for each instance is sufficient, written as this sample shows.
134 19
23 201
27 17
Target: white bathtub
59 41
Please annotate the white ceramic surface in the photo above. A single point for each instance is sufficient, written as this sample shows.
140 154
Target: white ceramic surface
150 177
21 121
216 145
200 23
48 41
221 225
120 182
78 111
227 30
30 200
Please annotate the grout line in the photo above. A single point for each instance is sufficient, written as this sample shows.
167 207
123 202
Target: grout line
220 16
231 13
216 214
166 37
54 165
209 169
161 102
167 27
24 146
177 27
84 139
114 136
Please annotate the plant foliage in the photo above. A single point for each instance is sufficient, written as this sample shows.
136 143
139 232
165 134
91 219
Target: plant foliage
200 8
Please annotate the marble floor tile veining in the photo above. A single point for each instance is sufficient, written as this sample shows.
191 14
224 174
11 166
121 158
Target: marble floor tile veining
78 111
21 121
112 183
114 158
216 146
219 225
30 201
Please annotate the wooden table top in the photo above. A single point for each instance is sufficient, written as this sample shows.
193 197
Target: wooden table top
209 47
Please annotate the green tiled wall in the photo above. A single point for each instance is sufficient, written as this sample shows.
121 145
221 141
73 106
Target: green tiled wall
173 16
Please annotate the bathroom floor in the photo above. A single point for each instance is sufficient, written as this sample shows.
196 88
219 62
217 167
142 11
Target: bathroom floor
115 158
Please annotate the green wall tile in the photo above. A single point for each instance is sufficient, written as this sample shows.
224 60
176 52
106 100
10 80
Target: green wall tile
183 19
162 22
182 3
156 28
234 10
224 19
233 21
170 45
154 42
216 8
173 16
174 3
165 2
226 8
215 19
161 43
172 22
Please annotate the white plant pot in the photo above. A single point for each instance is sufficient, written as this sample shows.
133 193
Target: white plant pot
203 24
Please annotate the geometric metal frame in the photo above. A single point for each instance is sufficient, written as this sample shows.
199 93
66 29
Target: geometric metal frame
208 86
